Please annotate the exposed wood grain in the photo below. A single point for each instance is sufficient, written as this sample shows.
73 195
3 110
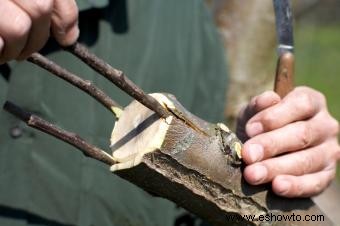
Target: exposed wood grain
193 170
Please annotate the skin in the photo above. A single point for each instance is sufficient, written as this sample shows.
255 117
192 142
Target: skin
25 26
291 142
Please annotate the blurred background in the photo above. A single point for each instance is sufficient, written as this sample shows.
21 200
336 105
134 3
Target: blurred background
317 35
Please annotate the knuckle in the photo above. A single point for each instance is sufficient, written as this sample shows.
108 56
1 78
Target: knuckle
332 175
270 146
334 126
21 26
337 154
330 166
266 100
268 119
303 89
298 189
318 186
306 164
304 135
70 18
322 98
264 95
269 94
305 103
43 7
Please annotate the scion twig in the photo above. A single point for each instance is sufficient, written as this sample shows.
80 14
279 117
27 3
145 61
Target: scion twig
36 122
85 85
118 78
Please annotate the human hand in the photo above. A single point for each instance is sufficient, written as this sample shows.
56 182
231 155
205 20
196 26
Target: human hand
291 143
25 26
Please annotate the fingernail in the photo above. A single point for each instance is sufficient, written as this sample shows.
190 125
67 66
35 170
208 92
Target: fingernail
283 187
254 128
260 173
255 152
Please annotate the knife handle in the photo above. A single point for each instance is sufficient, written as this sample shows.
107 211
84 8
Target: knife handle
284 74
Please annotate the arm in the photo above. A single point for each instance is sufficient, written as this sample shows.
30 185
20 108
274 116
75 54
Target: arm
291 143
25 26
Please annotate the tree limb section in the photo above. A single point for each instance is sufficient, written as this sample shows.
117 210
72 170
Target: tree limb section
199 173
189 168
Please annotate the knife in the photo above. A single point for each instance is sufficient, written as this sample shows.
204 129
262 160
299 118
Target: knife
285 64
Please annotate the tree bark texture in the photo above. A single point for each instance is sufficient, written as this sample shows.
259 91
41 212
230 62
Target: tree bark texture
195 169
198 172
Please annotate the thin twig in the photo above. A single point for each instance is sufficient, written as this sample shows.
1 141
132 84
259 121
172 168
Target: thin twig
118 78
34 121
85 85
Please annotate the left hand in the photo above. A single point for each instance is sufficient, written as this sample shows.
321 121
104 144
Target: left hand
291 143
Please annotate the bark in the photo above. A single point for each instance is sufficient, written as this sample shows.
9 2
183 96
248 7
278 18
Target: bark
85 85
117 77
199 172
73 139
196 170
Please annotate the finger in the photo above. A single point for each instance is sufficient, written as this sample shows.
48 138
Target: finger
1 45
40 14
302 186
298 163
15 25
292 137
300 104
258 103
65 22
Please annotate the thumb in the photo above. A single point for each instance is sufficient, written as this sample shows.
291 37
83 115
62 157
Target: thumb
64 23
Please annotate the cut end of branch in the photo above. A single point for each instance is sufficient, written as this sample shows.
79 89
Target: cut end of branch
139 131
36 122
117 111
17 111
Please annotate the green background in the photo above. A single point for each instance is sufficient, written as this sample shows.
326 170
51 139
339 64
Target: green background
318 61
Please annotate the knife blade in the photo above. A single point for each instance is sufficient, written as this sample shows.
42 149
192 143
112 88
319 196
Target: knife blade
285 65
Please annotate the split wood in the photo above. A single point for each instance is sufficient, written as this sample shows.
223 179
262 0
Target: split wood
196 170
191 169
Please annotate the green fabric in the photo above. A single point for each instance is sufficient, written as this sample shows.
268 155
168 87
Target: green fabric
170 46
3 89
87 4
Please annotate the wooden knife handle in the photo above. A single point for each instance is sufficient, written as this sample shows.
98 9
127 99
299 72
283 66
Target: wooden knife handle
284 79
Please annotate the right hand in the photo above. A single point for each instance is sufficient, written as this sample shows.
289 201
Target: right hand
25 26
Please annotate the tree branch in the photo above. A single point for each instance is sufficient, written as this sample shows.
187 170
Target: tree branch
190 169
34 121
86 86
118 78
